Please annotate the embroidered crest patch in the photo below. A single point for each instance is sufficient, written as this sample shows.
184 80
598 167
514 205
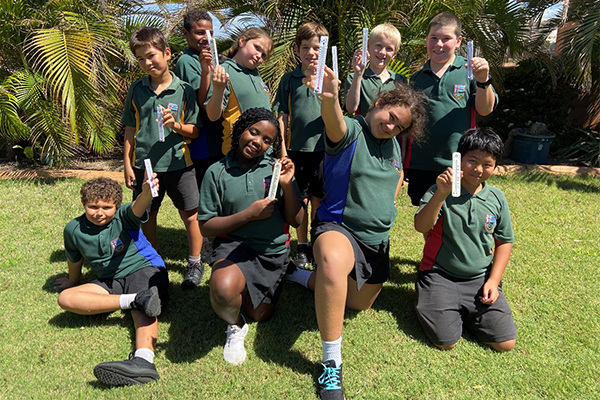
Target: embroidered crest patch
397 166
490 222
459 91
173 107
117 245
265 87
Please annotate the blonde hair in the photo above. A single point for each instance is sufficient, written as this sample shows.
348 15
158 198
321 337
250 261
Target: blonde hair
389 31
250 34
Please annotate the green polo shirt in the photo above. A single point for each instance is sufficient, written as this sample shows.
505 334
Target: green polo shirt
114 250
245 90
229 187
370 87
209 142
450 110
461 242
361 174
304 108
140 112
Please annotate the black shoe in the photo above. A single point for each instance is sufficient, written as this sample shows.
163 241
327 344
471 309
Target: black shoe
193 276
148 301
303 256
330 382
135 371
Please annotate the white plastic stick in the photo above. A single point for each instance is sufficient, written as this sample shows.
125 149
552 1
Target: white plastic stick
212 44
469 57
274 181
161 127
365 39
456 174
149 173
334 60
321 63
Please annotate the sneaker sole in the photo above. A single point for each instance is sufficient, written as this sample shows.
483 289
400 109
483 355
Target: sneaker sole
112 377
188 285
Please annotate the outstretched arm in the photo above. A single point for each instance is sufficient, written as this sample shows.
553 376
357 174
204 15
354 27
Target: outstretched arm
353 96
63 283
331 111
292 207
426 217
142 202
484 98
214 107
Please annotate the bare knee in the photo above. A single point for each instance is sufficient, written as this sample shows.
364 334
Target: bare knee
502 347
66 299
222 291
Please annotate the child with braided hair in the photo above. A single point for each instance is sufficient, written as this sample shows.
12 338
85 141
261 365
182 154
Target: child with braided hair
251 250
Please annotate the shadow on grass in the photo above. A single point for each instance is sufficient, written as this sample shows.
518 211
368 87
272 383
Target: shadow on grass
585 184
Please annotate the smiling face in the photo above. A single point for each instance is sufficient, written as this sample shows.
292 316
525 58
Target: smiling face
255 140
441 44
152 60
196 36
308 52
382 50
100 212
477 167
389 121
252 53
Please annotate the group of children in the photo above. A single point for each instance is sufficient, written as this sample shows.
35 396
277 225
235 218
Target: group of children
221 143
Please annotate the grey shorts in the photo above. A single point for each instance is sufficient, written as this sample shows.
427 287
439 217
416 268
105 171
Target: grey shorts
139 280
179 185
264 274
445 304
371 262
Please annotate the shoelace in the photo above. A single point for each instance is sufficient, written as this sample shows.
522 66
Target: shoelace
330 378
233 336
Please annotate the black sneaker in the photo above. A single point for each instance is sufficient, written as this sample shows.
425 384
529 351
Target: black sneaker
135 371
303 256
148 301
193 276
330 382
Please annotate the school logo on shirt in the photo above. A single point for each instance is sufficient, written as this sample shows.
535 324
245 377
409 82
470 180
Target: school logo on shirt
265 87
459 91
117 245
490 222
173 107
397 166
267 185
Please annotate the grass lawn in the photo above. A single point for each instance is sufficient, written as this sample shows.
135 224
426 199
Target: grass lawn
551 283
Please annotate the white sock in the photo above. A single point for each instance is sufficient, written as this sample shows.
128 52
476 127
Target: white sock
333 351
299 276
194 259
146 354
126 300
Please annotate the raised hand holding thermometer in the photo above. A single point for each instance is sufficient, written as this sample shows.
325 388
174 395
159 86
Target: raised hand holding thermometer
334 60
321 64
212 44
456 174
469 57
274 181
365 39
161 126
149 173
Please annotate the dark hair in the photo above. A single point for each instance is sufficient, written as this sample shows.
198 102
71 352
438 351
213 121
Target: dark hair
148 36
446 19
194 15
484 139
104 189
309 30
250 34
250 117
405 96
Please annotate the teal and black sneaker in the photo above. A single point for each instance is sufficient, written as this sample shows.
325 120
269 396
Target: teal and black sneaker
330 382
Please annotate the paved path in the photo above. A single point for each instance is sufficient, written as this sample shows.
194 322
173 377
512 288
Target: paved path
118 176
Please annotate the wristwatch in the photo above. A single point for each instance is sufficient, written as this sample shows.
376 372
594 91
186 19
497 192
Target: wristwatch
485 84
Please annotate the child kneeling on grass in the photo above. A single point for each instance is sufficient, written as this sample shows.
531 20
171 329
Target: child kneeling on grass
130 273
251 246
469 241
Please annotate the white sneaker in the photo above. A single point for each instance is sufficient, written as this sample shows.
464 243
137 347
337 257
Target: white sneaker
234 351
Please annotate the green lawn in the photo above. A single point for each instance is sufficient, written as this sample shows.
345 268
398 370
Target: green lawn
552 284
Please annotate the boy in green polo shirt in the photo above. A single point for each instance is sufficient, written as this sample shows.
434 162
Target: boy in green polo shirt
469 241
365 83
453 101
169 153
130 273
300 110
193 67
